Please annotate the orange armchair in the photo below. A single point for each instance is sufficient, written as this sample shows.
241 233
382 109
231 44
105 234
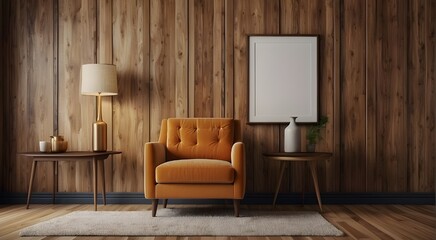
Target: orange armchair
195 158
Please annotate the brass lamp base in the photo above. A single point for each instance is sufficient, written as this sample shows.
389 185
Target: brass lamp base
99 136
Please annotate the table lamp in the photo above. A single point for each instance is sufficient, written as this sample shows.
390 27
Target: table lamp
99 80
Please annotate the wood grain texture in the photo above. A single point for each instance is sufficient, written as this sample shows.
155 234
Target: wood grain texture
353 108
428 165
181 57
390 83
374 167
28 89
189 58
130 113
162 64
4 62
229 58
207 51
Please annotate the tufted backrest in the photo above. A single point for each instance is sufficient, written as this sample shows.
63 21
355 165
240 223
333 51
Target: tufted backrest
208 138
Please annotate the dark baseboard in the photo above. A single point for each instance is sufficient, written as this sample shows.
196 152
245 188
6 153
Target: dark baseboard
250 198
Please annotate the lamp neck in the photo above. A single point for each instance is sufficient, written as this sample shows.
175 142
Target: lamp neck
99 109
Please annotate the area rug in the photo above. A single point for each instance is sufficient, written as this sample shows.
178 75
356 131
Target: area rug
185 222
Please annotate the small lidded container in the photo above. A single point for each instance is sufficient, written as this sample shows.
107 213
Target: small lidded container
58 144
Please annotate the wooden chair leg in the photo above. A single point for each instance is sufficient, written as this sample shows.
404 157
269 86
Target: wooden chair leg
154 203
236 206
165 202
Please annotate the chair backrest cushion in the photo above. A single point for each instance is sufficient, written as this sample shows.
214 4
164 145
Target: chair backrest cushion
207 138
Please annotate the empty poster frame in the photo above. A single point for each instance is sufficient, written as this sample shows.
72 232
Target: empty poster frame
283 78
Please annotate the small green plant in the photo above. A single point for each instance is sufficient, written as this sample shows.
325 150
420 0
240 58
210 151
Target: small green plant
314 132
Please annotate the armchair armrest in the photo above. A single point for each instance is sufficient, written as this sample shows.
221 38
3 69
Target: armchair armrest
238 162
154 155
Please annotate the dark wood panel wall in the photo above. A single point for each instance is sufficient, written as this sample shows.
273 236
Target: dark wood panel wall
188 58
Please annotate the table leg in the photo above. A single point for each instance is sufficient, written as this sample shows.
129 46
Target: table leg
103 181
282 170
54 182
32 175
312 165
95 182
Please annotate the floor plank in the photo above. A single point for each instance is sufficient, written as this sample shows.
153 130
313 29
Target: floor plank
356 221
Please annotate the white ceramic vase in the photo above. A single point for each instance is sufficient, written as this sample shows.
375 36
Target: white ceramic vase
292 141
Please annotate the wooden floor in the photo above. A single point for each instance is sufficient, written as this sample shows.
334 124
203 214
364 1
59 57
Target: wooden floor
356 221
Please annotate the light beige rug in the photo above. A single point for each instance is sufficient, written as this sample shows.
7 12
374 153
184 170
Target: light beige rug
185 222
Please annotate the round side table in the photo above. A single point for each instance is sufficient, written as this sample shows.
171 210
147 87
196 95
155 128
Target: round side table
310 158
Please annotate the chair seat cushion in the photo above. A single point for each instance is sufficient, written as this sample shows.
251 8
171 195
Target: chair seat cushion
195 171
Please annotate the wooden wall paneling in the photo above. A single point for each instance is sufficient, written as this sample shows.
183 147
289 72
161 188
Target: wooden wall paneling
208 60
289 14
228 58
130 105
17 89
8 20
77 46
328 171
30 88
146 63
391 97
336 121
374 171
190 58
427 182
4 62
104 55
162 65
353 97
218 46
416 75
421 97
181 53
40 86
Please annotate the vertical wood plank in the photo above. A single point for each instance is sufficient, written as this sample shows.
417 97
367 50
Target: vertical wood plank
208 87
229 65
191 58
391 119
218 43
146 61
336 121
130 105
329 171
427 169
353 97
162 64
29 87
374 166
5 21
181 57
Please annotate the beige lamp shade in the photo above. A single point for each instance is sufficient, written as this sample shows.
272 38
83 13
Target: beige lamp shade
99 79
